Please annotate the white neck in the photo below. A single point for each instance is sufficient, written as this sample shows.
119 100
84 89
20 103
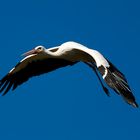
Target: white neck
69 46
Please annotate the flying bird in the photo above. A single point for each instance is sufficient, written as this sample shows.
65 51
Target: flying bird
41 60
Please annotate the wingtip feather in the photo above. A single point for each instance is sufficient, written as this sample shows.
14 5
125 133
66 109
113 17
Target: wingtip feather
134 104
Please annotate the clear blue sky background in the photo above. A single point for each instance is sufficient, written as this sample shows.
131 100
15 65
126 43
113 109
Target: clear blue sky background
69 104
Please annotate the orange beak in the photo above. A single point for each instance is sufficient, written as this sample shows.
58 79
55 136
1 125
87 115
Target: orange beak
30 52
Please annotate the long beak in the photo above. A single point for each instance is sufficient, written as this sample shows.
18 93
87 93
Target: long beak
29 52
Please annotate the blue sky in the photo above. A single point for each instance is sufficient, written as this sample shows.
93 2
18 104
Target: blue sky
69 104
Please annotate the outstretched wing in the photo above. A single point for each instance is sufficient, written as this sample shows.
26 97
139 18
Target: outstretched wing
117 81
28 67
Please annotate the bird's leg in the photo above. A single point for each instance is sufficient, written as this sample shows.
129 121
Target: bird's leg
95 70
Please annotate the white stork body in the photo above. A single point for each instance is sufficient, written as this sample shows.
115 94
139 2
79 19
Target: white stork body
83 53
41 60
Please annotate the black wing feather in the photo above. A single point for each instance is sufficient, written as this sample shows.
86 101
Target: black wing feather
33 68
117 81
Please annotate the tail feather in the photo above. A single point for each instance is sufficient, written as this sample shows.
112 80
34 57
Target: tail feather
117 81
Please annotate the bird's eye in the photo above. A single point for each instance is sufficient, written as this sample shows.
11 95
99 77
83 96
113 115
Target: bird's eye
39 48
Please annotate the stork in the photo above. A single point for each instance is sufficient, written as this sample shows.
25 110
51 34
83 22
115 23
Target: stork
41 60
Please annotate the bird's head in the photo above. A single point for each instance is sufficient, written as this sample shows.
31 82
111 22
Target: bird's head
39 49
36 50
